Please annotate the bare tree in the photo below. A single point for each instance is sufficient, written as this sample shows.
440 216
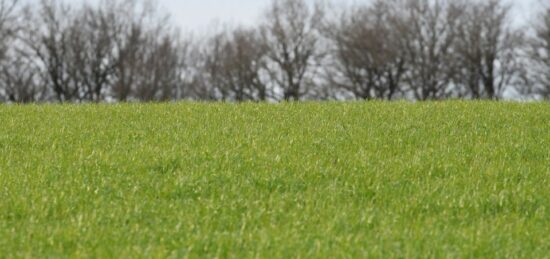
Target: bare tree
76 49
8 31
117 50
7 26
213 79
539 54
91 44
21 81
232 66
245 63
149 65
161 71
201 86
290 32
428 30
130 45
367 60
487 49
48 37
127 50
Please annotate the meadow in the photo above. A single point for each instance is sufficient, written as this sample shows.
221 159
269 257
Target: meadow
307 180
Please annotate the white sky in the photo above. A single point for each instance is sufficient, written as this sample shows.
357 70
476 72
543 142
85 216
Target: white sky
199 15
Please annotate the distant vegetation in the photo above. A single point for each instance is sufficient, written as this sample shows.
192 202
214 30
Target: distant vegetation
128 51
331 180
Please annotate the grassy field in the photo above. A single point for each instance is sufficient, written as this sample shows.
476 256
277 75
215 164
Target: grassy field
332 180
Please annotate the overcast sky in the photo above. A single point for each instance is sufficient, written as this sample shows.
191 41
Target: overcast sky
198 15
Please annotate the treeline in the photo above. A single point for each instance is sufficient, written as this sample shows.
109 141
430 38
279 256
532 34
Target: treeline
127 50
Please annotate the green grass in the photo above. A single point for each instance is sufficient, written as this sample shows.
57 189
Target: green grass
332 180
